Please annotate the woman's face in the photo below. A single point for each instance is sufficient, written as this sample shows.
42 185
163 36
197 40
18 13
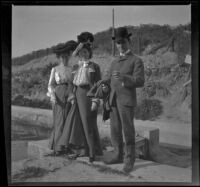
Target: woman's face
84 54
64 59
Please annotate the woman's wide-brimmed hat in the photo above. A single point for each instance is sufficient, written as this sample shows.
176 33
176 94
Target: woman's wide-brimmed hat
64 48
85 40
121 33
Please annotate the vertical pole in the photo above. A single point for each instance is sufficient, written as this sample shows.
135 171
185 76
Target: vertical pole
113 33
173 45
138 46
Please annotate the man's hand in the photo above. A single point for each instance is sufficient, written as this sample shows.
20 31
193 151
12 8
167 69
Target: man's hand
116 74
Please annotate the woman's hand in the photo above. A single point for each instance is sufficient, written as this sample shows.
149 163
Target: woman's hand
94 106
105 88
80 46
53 100
72 101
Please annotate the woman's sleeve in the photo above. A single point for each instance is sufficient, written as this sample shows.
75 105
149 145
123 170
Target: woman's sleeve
71 95
97 78
52 83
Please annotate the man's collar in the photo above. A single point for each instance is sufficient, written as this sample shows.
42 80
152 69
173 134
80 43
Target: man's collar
125 53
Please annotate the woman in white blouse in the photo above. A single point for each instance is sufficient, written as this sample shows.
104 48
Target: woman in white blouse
60 92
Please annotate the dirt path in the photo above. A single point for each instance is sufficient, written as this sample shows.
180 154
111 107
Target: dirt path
60 169
63 170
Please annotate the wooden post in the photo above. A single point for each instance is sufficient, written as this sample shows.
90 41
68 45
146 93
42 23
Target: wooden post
138 44
113 34
173 45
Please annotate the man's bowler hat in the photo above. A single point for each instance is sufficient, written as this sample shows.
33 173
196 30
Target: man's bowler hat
121 33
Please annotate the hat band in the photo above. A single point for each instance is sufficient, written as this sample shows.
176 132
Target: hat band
120 37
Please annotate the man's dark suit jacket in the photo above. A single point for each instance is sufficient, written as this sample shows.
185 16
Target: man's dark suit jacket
131 69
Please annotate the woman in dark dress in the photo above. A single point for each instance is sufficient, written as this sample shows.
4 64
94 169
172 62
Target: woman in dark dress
80 132
60 90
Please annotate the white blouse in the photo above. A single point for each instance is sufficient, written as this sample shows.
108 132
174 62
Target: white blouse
59 75
82 74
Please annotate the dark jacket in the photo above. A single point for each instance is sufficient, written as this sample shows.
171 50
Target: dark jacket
97 92
131 69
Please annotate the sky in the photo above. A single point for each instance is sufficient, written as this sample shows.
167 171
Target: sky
39 27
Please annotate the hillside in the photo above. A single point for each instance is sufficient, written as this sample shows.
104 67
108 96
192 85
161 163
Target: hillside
148 33
165 72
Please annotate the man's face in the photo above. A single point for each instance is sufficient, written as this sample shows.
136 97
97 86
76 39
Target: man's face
122 45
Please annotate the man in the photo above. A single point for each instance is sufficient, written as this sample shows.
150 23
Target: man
124 76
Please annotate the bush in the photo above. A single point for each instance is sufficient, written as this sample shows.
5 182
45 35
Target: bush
35 103
156 88
148 109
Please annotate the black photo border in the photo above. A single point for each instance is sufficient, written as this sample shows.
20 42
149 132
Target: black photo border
6 43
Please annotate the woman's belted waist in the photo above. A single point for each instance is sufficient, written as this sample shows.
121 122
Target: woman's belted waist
63 83
84 86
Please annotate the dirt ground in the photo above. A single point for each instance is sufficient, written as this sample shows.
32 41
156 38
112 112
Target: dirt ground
60 169
63 170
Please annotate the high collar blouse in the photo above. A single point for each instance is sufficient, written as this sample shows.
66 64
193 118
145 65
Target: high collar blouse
59 75
82 74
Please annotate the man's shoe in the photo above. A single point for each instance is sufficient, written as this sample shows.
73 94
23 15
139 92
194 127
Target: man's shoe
128 167
113 161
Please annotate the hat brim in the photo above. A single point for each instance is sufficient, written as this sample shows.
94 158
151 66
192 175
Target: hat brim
65 48
121 38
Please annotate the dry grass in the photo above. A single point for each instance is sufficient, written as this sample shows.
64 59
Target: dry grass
29 172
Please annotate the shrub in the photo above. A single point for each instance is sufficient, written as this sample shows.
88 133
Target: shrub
35 103
148 109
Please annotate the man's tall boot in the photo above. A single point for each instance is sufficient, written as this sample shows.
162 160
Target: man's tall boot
129 158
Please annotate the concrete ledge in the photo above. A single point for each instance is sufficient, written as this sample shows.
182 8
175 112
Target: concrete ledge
37 149
147 142
151 134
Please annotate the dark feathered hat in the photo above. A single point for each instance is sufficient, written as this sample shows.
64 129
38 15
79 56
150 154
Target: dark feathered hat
85 37
121 33
65 47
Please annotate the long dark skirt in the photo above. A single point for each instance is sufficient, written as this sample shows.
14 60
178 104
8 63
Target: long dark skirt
80 132
60 112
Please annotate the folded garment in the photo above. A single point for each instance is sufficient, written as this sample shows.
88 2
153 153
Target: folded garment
97 92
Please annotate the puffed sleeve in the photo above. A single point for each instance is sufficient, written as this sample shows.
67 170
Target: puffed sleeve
52 83
71 95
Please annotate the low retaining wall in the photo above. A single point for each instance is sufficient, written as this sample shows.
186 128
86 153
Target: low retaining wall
39 122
